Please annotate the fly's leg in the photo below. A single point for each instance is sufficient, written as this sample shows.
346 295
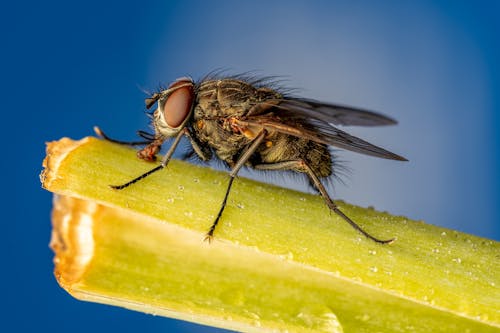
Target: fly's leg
234 171
203 154
163 164
210 234
147 153
149 138
304 167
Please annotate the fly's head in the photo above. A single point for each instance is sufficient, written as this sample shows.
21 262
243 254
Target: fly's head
175 107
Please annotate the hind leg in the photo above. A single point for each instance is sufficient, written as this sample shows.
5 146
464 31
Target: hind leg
302 166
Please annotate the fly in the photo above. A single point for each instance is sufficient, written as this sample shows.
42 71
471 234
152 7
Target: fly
247 122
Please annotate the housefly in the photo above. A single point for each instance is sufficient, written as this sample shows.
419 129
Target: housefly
245 121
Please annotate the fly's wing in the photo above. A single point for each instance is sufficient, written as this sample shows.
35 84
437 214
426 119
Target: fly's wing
315 122
334 114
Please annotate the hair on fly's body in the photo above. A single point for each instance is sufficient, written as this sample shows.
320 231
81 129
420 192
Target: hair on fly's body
253 122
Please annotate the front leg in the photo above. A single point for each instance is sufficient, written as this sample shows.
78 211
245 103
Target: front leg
163 164
149 152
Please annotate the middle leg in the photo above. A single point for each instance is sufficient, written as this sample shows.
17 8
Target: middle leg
249 151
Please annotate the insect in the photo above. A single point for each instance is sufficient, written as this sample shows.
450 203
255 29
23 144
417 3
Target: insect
246 122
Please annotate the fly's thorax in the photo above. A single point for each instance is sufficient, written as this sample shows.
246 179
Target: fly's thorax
206 96
226 144
175 107
220 98
230 98
219 105
235 97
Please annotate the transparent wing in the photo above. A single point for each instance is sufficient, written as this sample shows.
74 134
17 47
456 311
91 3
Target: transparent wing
330 113
319 131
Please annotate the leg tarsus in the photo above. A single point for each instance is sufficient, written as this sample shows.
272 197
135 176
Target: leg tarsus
135 180
103 135
247 153
163 164
208 238
210 234
359 229
301 165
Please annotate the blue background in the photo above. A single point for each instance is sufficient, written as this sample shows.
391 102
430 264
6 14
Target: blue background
68 66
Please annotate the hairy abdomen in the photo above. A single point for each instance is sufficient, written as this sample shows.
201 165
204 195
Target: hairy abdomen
281 148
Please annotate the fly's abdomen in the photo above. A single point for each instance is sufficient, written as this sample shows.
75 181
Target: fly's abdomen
282 148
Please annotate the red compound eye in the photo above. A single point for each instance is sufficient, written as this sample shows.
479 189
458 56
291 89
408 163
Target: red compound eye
178 105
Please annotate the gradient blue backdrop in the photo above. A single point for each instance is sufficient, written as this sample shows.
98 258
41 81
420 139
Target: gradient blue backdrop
67 66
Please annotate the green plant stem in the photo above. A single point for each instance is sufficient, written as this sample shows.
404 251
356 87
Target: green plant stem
279 261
